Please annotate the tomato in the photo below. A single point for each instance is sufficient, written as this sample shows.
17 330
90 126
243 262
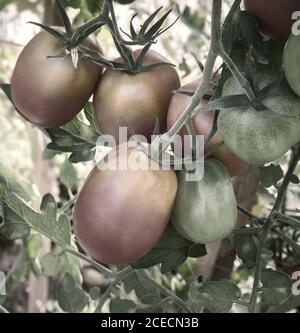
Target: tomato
203 123
135 100
291 63
205 211
50 92
121 214
274 17
261 136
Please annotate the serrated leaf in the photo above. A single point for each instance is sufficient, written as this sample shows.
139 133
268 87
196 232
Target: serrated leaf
270 175
18 213
71 297
118 305
68 174
215 296
276 287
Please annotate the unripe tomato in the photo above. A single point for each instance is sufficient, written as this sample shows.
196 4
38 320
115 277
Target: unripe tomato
206 210
135 100
262 136
50 92
121 214
203 123
291 63
274 17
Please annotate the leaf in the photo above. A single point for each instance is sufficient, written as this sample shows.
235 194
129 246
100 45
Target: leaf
276 287
19 216
76 137
51 265
270 175
70 296
294 179
68 174
171 251
118 305
215 296
245 249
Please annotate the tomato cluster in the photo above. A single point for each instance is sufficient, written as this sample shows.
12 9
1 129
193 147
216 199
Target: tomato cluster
120 215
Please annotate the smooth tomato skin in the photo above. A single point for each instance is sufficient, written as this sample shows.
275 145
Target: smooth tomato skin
291 63
50 92
205 211
135 100
274 17
120 215
260 137
203 123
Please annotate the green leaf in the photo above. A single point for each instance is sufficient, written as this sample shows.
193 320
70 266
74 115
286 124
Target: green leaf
20 216
215 296
68 174
294 179
52 265
118 305
171 251
77 138
245 249
70 296
90 115
270 175
276 287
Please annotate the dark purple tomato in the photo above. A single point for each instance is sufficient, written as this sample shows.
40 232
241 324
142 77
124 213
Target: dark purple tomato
203 123
274 17
121 214
50 92
135 100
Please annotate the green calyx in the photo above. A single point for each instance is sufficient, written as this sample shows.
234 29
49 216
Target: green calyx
72 38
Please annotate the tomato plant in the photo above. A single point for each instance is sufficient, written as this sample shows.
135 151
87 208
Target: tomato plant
145 97
203 124
202 213
120 215
60 92
274 17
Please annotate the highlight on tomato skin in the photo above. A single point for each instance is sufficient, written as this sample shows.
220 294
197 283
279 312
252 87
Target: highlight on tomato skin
274 17
203 123
120 215
137 100
50 92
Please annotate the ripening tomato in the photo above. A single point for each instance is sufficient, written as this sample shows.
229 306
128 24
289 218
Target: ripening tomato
205 211
50 92
262 136
121 214
203 123
274 17
135 100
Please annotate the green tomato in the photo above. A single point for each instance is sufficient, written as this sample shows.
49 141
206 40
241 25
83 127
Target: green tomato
291 62
263 136
205 211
